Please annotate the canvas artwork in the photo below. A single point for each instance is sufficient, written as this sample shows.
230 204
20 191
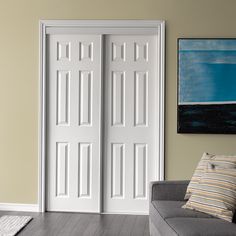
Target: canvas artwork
207 86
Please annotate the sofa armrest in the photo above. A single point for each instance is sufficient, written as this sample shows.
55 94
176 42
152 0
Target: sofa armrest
168 190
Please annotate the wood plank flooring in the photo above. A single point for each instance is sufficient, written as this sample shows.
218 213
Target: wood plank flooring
74 224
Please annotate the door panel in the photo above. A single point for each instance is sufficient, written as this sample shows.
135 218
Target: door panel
73 131
140 171
117 170
130 114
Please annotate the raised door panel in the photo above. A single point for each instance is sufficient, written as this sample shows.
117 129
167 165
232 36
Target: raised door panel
63 50
62 178
86 51
140 98
117 96
118 51
140 171
85 98
141 51
85 161
117 170
63 97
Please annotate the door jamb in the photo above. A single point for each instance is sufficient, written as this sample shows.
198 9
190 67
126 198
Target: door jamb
96 27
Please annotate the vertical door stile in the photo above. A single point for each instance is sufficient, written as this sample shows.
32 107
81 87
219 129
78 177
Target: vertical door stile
101 126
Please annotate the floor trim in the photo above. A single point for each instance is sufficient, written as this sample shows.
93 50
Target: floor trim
19 207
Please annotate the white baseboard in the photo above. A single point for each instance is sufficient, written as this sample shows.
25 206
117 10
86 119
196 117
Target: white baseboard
19 207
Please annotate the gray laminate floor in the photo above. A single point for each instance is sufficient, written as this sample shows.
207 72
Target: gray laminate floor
73 224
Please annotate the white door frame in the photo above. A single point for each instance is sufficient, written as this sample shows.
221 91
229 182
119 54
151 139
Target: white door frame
154 27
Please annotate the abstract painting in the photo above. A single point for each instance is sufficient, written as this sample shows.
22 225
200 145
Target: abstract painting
207 86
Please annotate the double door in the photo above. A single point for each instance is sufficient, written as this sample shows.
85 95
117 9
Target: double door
101 122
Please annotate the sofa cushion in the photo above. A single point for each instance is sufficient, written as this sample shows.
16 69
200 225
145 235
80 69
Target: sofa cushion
200 170
169 209
158 225
216 193
201 227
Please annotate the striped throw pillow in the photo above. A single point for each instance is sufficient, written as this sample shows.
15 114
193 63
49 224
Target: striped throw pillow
216 193
227 161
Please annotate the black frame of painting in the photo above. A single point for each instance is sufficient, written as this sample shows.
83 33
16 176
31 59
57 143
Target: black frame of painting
180 129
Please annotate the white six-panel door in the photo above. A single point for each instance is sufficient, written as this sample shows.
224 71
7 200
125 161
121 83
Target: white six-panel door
130 105
73 128
124 142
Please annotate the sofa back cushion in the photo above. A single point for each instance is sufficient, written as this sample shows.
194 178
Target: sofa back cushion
215 193
222 160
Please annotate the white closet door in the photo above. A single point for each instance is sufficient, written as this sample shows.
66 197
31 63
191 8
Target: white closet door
73 123
130 157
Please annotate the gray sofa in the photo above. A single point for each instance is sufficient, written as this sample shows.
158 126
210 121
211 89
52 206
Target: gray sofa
167 218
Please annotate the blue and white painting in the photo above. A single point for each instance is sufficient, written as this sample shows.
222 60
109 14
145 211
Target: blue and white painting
207 86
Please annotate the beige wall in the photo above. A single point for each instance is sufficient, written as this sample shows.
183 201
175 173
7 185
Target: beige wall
19 78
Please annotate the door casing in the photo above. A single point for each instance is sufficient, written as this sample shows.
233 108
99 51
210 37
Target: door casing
155 27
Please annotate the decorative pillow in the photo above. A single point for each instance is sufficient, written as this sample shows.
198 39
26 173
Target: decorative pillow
216 193
227 161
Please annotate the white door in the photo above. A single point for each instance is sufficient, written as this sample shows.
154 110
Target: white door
130 122
73 128
77 74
